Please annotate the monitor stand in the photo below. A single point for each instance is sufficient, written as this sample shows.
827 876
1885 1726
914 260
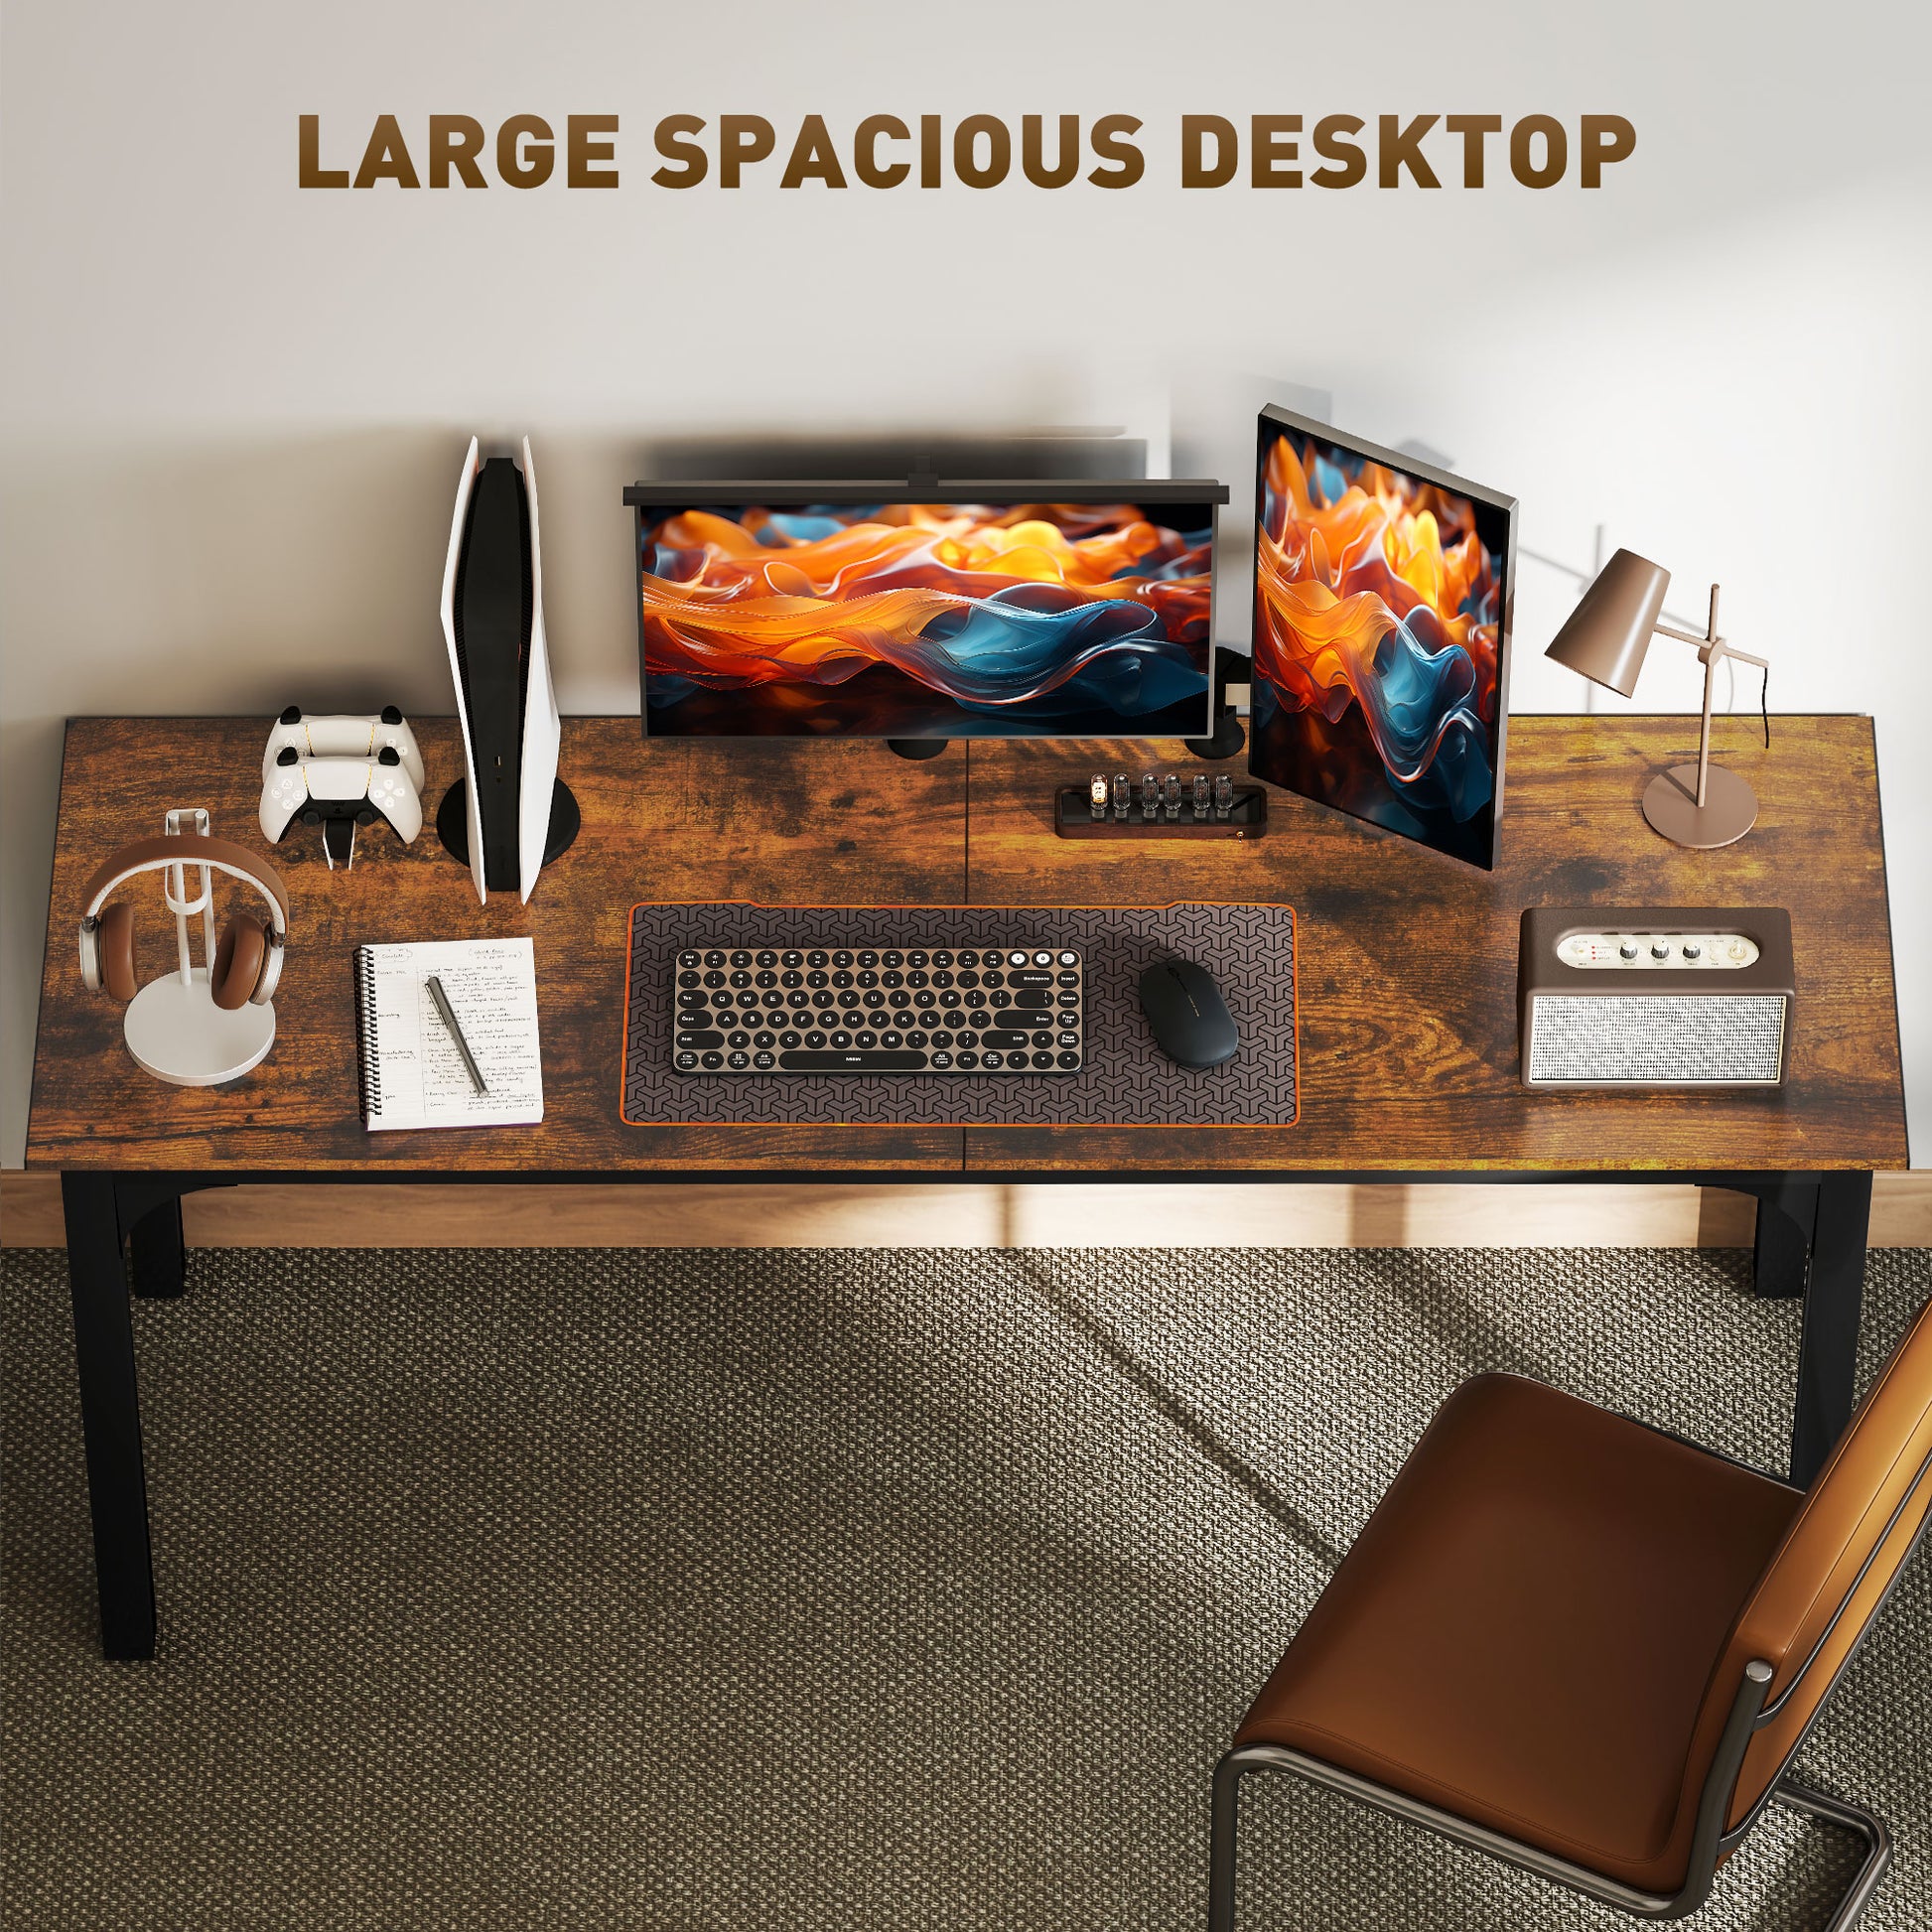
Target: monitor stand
916 747
1224 742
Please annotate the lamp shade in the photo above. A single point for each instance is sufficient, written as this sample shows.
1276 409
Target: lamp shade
1611 629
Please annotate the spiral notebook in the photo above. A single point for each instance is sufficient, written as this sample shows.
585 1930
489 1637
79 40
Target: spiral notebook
412 1074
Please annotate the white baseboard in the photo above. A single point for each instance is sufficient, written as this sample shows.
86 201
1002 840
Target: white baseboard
1259 1214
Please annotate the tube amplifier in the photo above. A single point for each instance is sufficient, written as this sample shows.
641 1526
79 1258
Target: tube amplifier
1655 997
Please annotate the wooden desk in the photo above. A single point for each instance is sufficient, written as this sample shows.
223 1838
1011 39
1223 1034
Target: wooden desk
1407 983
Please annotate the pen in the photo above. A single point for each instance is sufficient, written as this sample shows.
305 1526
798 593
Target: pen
442 999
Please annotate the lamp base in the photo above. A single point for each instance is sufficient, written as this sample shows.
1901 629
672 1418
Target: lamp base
1728 811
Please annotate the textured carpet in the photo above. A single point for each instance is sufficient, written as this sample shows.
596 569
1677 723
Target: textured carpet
808 1589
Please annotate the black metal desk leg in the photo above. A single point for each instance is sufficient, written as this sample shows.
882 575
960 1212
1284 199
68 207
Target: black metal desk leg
110 1415
1787 1216
155 1250
1828 1355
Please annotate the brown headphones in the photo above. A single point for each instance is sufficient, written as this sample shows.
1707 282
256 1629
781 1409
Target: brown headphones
247 959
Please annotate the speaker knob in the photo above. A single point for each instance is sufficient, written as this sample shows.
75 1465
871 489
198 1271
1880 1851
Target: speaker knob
1628 949
1660 949
1692 950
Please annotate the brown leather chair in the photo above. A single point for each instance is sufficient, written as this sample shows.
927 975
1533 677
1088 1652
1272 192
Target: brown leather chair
1592 1649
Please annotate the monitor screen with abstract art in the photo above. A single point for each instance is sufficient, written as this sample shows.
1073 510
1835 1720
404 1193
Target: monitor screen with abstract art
1381 636
997 617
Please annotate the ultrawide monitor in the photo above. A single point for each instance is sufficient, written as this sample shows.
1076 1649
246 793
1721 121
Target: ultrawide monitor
926 612
1381 636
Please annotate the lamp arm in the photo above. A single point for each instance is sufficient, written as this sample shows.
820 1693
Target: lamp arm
1714 647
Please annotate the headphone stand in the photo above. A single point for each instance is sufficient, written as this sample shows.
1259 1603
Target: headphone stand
173 1029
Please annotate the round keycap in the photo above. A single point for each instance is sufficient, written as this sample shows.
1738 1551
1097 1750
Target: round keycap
868 979
1015 959
774 997
969 1059
916 959
713 1061
741 978
764 1063
689 959
900 999
752 1020
892 1041
1069 1062
841 1042
942 959
865 1040
891 959
849 999
714 978
966 979
942 979
1069 1039
916 979
1067 999
980 1020
690 979
994 1061
1069 979
1042 1040
1043 959
748 998
816 959
793 978
868 959
841 979
1003 998
823 998
740 958
714 959
949 998
814 1042
968 958
767 958
818 977
923 998
874 999
941 1060
766 979
993 979
842 959
790 1043
686 1062
955 1021
1069 959
1042 1061
738 1042
739 1062
793 959
915 1041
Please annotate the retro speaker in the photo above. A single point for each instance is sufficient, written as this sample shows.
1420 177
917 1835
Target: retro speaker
1660 997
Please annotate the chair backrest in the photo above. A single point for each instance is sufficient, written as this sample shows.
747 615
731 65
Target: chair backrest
1846 1545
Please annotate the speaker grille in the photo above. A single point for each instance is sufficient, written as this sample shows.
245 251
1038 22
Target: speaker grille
1685 1040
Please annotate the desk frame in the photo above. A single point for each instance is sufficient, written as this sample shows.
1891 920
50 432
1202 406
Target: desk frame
124 1238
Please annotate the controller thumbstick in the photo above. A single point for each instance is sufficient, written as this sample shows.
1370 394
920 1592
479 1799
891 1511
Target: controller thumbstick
388 756
390 715
288 755
293 715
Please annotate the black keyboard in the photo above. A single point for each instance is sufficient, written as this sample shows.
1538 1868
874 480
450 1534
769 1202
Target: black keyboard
878 1008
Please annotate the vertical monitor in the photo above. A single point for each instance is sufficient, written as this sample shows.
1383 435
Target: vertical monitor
821 611
1381 636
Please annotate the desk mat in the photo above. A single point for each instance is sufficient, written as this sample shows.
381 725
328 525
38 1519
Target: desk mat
1125 1081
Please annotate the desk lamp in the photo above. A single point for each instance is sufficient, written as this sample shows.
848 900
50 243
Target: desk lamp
1605 639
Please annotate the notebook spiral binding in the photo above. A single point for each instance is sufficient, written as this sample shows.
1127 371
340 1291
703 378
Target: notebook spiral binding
369 1060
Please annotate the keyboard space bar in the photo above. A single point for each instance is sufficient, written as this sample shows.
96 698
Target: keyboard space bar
878 1060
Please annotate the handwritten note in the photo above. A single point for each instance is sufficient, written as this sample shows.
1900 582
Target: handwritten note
412 1074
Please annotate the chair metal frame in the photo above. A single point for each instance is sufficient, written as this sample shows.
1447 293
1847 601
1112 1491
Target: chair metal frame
1711 1842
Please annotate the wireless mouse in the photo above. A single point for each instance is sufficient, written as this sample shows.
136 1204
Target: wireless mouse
1190 1021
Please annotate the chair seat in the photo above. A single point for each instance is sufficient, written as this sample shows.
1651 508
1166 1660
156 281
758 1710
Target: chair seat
1524 1632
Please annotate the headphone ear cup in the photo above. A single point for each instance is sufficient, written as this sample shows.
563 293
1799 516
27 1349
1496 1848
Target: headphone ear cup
115 942
238 959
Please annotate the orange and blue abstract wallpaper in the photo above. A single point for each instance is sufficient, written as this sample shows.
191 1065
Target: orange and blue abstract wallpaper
927 619
1378 640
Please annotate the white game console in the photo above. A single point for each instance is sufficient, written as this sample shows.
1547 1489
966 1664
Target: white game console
378 774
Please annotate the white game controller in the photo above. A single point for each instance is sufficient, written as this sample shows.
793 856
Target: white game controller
341 734
339 794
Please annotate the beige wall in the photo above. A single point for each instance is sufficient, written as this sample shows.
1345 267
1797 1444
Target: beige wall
234 411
